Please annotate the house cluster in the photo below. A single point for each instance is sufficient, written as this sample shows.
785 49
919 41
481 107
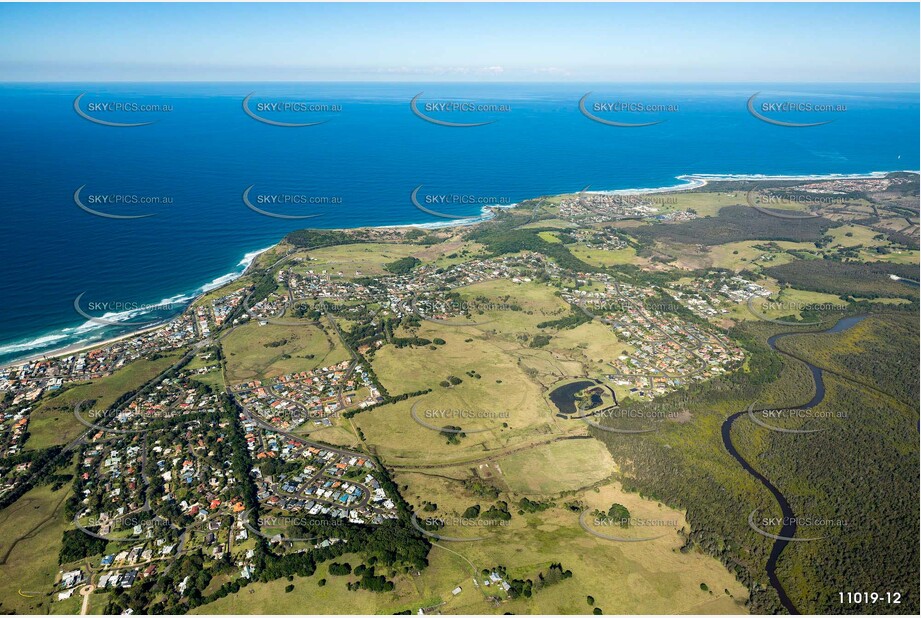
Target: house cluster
13 430
713 295
398 294
223 307
495 579
298 477
118 579
676 216
196 480
212 315
290 399
120 570
111 480
69 582
323 285
11 474
184 476
599 238
667 352
171 398
602 207
477 271
843 186
27 381
433 299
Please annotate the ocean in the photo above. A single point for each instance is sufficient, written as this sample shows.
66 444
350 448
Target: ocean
188 171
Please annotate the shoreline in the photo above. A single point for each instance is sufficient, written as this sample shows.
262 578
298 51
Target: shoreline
76 348
688 183
249 258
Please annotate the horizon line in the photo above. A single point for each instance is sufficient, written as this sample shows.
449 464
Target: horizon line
443 81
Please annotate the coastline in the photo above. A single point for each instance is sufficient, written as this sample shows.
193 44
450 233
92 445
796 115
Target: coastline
249 258
687 182
76 348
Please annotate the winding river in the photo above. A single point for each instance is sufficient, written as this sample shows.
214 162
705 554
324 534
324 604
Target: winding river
789 528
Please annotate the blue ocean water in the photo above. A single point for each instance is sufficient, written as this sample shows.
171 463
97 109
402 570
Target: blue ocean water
367 156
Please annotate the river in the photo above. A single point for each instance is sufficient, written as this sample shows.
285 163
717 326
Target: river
789 527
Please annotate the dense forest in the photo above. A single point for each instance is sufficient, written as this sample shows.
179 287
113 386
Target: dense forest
862 279
871 353
862 469
735 224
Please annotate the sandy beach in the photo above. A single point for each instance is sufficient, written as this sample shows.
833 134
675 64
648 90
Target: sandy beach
689 182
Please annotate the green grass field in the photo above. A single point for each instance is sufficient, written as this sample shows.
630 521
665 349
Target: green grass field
647 577
652 576
503 394
744 255
556 467
557 223
333 598
356 260
249 352
514 377
704 204
550 237
30 539
606 257
53 422
593 345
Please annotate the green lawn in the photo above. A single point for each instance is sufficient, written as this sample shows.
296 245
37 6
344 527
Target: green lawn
53 421
259 352
30 539
556 467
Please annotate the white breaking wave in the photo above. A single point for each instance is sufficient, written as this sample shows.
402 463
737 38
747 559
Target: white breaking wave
91 330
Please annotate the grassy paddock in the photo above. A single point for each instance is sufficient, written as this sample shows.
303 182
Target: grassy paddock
30 539
53 422
250 354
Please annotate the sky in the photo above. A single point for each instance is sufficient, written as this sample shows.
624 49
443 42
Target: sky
684 42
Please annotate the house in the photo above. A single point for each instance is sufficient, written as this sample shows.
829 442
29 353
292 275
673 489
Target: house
72 578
